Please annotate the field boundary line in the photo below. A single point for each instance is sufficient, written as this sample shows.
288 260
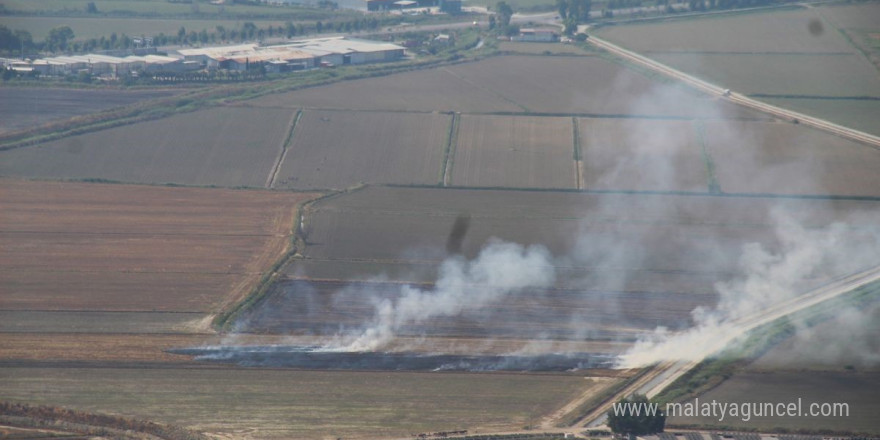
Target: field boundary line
645 192
467 81
451 147
711 178
282 153
578 158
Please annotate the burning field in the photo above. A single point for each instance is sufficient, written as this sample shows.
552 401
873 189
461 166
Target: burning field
324 358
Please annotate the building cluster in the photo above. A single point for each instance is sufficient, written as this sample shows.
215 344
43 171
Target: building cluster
447 6
536 35
100 65
297 55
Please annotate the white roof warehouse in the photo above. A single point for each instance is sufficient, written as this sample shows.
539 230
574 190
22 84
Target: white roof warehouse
296 55
299 54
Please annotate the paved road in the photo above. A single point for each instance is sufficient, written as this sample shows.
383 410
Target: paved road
737 98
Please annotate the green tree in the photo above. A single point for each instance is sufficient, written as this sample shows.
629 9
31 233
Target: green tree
91 8
249 30
504 12
181 34
562 6
59 37
634 417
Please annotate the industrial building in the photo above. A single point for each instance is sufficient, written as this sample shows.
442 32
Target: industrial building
537 35
106 65
295 55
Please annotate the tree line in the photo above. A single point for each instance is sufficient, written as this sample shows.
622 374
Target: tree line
61 38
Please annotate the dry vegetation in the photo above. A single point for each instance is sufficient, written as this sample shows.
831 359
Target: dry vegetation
780 158
509 151
220 146
333 149
77 246
267 404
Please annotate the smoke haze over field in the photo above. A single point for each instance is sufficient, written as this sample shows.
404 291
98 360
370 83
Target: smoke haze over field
754 258
500 269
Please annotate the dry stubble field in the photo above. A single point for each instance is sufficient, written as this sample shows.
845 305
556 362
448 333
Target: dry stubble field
132 234
513 151
333 149
756 157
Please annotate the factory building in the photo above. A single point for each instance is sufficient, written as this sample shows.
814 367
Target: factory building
297 55
105 65
537 35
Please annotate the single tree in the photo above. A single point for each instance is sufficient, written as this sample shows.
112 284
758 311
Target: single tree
59 37
505 12
91 8
636 416
562 6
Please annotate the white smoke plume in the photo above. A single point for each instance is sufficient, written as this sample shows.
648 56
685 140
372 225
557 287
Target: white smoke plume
499 270
805 257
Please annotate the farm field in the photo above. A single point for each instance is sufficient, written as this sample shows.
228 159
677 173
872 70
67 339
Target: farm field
858 114
425 216
269 404
323 308
423 90
505 84
641 155
85 27
583 85
855 388
80 349
79 247
26 107
846 75
91 321
859 23
818 348
333 149
678 247
754 157
780 31
510 151
220 146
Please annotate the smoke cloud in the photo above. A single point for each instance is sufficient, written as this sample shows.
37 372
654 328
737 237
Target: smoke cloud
499 270
767 278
